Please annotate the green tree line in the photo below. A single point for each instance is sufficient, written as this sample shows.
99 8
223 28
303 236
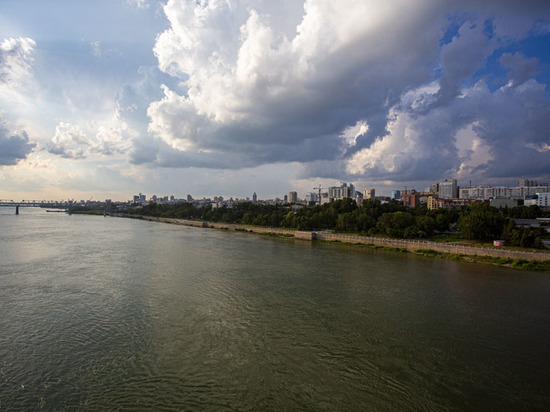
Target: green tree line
478 221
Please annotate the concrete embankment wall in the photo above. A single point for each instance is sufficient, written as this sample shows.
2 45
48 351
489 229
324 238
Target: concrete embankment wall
436 246
231 226
265 230
366 240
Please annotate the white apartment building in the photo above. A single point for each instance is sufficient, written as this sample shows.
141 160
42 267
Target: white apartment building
543 199
341 192
448 189
488 192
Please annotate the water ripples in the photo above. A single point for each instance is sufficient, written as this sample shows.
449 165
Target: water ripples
139 315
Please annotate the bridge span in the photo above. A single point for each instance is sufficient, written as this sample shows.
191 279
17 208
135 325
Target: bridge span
33 203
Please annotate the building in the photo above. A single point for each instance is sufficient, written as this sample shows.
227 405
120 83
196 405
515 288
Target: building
254 198
140 199
325 198
431 203
530 200
359 198
395 194
312 198
543 200
411 200
369 194
480 192
502 203
341 192
448 189
486 192
527 183
454 203
292 197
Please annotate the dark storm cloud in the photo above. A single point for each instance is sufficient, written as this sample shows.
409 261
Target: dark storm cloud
13 147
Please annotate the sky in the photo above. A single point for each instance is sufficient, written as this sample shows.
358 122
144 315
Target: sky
109 98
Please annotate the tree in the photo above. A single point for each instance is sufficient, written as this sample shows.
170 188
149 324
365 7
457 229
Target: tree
481 222
522 236
394 224
425 226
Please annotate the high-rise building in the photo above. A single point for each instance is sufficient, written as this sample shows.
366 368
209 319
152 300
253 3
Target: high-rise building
312 197
369 194
411 200
543 200
527 183
342 191
292 197
448 189
254 198
395 194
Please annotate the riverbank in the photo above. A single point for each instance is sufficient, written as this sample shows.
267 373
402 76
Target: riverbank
526 260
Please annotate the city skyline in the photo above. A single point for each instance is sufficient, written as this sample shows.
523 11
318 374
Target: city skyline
105 99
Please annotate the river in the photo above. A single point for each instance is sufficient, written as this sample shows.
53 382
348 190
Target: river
102 313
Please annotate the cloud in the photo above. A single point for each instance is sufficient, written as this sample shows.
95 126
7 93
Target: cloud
112 140
71 141
254 90
251 88
507 125
15 61
520 68
18 89
96 48
14 147
140 4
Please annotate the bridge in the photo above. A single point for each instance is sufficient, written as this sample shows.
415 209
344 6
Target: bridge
34 203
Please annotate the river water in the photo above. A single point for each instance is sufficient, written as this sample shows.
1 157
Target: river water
120 314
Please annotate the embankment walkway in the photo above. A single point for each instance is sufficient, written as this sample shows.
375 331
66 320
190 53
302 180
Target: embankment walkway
412 245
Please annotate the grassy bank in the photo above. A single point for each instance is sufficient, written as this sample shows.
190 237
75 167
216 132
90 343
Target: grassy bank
522 264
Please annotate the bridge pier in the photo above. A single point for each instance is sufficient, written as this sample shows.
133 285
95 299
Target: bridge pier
17 209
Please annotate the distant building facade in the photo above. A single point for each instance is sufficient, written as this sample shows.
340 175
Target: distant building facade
292 197
369 194
341 192
486 192
411 200
502 203
543 200
312 197
431 203
448 189
527 183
